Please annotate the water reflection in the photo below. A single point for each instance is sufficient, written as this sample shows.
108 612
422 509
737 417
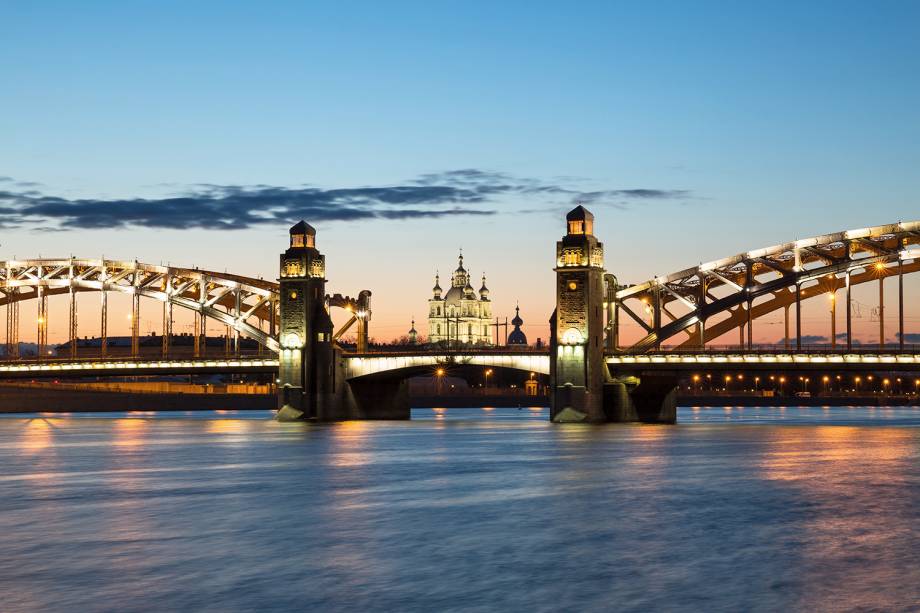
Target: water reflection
733 509
859 486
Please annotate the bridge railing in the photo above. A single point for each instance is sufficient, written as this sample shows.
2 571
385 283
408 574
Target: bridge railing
781 349
215 357
437 350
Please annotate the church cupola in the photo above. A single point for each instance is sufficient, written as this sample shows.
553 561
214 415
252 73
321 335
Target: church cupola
413 334
303 235
437 287
461 277
517 336
483 291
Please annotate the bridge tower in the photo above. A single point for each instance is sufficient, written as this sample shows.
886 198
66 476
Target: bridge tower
577 367
306 379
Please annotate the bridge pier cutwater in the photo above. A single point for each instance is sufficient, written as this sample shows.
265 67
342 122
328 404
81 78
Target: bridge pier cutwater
582 388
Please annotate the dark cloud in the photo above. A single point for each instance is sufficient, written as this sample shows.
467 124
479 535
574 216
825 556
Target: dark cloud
807 339
464 192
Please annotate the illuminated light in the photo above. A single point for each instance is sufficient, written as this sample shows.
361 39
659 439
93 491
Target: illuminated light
880 266
573 286
572 336
293 341
860 233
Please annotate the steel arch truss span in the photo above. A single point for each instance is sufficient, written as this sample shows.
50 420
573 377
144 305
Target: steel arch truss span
244 304
677 309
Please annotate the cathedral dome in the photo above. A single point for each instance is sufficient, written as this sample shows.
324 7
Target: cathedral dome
484 291
437 286
454 295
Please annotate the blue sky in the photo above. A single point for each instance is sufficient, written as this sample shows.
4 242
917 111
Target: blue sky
755 122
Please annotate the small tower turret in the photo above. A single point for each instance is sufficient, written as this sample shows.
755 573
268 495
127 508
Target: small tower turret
483 291
436 290
413 334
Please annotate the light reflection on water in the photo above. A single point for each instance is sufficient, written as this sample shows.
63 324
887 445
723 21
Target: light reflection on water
737 509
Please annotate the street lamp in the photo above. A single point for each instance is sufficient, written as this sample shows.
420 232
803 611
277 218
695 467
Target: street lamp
440 378
488 372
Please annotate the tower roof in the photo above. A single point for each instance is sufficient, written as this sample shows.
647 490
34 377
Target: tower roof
579 213
302 227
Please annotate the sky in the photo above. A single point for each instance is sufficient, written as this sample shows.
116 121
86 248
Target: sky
196 133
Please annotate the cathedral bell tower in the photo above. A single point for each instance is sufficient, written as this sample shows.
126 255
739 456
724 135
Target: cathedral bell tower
305 332
577 368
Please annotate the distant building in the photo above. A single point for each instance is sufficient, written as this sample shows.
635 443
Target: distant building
460 315
517 336
413 334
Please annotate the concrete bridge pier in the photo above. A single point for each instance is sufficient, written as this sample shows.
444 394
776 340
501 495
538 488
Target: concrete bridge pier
649 399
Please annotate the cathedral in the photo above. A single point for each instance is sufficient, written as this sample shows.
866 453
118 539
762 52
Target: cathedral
460 315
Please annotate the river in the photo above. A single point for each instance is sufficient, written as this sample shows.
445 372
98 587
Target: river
462 509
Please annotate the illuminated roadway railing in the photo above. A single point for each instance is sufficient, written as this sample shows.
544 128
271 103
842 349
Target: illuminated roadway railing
686 361
370 364
128 367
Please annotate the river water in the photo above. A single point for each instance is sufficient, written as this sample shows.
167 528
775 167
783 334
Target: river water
464 509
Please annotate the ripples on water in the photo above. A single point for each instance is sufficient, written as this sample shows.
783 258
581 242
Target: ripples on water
732 509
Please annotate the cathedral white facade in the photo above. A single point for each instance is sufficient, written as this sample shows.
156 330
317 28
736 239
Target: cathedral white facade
460 315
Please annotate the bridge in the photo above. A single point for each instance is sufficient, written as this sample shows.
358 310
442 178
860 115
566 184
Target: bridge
594 374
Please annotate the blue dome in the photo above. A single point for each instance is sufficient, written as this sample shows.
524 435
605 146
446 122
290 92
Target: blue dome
517 337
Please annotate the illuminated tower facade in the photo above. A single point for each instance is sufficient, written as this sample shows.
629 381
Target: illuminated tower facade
577 364
305 331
